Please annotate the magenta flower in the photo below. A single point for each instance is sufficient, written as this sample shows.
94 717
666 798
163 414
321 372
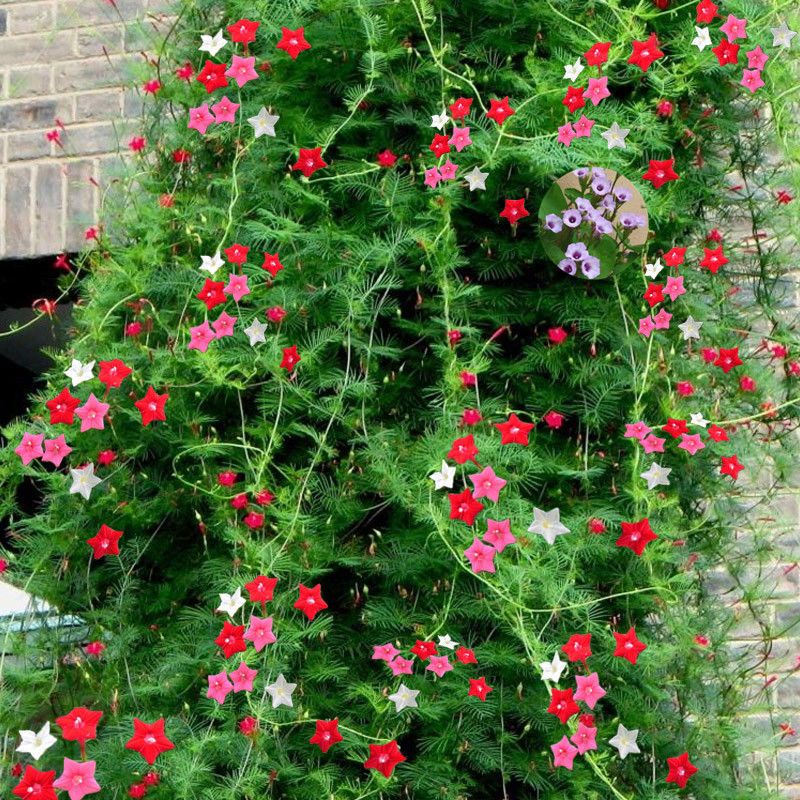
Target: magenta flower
589 689
460 138
751 79
646 326
77 779
56 450
674 287
30 447
583 127
384 652
636 430
223 325
91 414
237 287
202 336
734 28
597 90
487 484
652 444
259 632
756 59
439 665
691 443
563 753
225 110
219 687
432 177
242 70
243 678
200 118
480 556
584 738
662 319
448 170
401 666
499 534
566 134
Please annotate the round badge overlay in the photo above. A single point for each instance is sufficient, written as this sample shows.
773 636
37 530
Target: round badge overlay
594 223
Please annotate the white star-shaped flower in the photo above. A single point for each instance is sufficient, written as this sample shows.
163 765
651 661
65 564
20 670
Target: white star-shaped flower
782 36
263 123
656 475
255 332
615 136
212 44
690 328
652 270
703 38
404 698
230 603
211 264
444 478
37 744
625 741
438 121
476 179
571 71
446 641
83 481
552 670
281 692
699 419
80 373
547 524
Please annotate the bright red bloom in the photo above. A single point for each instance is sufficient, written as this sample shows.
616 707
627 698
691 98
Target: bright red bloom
553 419
151 406
731 466
717 434
248 726
465 655
713 259
149 739
181 156
596 525
479 688
326 734
290 358
460 108
253 520
424 650
384 758
514 211
133 329
675 427
62 408
514 430
293 42
454 337
714 236
727 359
463 450
636 535
95 649
557 335
239 501
236 253
151 87
747 384
684 388
261 589
654 294
706 11
562 705
471 416
185 72
628 646
151 779
231 639
597 54
211 294
386 158
709 354
675 256
660 172
272 263
680 770
500 110
664 108
105 542
578 647
212 76
464 506
645 53
106 457
227 478
243 31
440 145
726 52
137 143
264 497
112 373
79 725
16 770
62 262
574 98
137 790
783 197
468 379
309 161
310 601
36 785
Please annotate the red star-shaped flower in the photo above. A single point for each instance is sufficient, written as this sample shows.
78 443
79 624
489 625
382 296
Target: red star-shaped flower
112 373
79 725
731 466
500 110
465 655
645 53
310 601
260 589
574 98
597 54
654 294
236 253
675 256
514 430
628 646
384 758
727 359
272 263
479 688
660 172
231 639
212 76
675 427
726 52
636 535
578 647
243 31
562 705
713 259
309 161
293 42
440 145
464 506
463 450
62 408
717 434
105 542
514 211
386 158
211 294
680 770
424 650
326 734
706 11
290 358
151 406
36 785
149 739
460 108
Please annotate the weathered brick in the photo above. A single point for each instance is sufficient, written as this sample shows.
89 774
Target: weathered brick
788 694
34 48
787 614
80 210
26 145
17 225
30 81
80 14
789 766
99 41
31 18
98 105
3 21
132 104
27 114
89 73
47 222
91 139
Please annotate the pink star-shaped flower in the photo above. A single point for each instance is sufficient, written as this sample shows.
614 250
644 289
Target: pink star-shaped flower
589 689
662 319
92 413
636 430
242 70
652 444
237 287
439 665
499 534
448 170
584 738
487 484
756 59
243 677
223 325
460 138
583 127
259 632
56 450
200 118
597 90
219 687
674 287
77 779
384 652
646 326
751 79
734 28
401 666
201 337
30 447
480 556
432 177
563 753
566 134
691 443
225 110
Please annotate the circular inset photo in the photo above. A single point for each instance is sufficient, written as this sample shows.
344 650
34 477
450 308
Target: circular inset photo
594 222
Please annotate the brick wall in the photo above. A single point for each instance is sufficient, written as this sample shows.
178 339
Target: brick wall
64 60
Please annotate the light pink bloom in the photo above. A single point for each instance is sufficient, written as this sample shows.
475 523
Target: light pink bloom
563 753
202 336
242 70
223 325
30 447
487 484
448 170
401 666
636 430
756 59
460 138
646 326
77 779
243 677
432 177
499 534
662 320
56 450
219 687
225 110
674 287
200 118
734 28
597 90
91 414
237 286
751 79
259 632
584 738
691 443
384 652
652 444
566 134
589 689
481 556
439 665
583 127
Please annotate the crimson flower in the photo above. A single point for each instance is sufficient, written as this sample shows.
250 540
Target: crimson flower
578 647
79 725
384 758
239 501
628 646
636 535
106 457
727 359
463 450
181 156
680 770
553 419
731 466
62 262
151 87
386 158
293 42
713 259
747 384
706 11
227 478
310 601
664 108
726 52
597 54
717 434
309 161
237 253
660 172
645 53
499 110
596 525
211 294
514 211
272 263
654 294
137 143
264 498
248 726
460 108
562 705
137 790
261 588
675 256
424 650
574 98
105 542
212 76
290 358
464 507
95 649
557 335
326 734
112 373
514 430
62 408
253 520
243 31
151 779
464 655
440 145
479 688
185 72
151 406
36 785
675 427
231 639
149 739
